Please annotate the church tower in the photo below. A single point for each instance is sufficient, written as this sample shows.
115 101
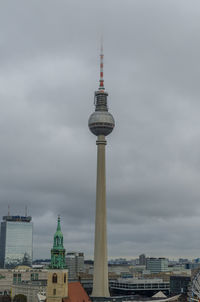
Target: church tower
57 284
58 250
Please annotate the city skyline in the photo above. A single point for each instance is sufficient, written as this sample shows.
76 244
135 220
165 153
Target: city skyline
49 69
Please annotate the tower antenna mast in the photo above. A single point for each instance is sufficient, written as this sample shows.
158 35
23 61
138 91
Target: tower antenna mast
101 82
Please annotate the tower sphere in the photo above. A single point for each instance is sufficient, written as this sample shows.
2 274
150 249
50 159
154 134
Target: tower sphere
101 123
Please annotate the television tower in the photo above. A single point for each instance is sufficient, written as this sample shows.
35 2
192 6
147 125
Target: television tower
101 123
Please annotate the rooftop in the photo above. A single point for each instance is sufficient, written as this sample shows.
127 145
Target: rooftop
17 218
76 293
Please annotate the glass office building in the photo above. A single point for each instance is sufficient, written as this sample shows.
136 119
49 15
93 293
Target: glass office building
16 241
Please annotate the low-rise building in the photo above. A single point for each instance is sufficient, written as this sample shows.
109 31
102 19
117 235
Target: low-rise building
22 274
179 284
28 289
157 265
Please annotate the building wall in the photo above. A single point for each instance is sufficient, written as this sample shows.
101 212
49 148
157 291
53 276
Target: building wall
142 259
80 263
28 290
29 275
8 277
2 244
75 264
57 288
179 284
156 265
118 269
71 265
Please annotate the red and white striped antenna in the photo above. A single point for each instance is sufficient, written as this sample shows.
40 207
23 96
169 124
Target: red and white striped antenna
101 82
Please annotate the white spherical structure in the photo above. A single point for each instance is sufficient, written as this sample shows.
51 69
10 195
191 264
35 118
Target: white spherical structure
101 123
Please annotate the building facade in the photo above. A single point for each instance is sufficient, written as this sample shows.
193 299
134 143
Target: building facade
16 243
75 264
29 290
57 285
179 284
12 279
157 265
142 259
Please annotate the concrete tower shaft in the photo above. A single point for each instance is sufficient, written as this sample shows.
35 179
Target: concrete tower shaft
100 274
101 123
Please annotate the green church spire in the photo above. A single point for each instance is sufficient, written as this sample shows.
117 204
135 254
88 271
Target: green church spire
58 250
58 225
58 237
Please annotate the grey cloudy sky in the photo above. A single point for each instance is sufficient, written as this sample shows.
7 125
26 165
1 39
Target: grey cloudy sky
49 69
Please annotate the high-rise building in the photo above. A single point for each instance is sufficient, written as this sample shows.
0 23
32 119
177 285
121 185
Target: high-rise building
157 265
80 263
75 264
142 259
16 243
101 123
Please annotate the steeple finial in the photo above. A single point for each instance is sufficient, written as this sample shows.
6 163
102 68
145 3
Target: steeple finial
101 81
58 224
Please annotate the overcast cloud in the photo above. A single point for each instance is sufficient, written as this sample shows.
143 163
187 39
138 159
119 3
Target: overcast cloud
49 70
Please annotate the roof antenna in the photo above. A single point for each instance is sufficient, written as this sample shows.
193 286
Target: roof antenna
26 210
8 210
101 82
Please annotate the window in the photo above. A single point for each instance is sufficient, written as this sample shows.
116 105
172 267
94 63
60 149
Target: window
34 276
15 278
54 291
19 278
65 277
54 278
